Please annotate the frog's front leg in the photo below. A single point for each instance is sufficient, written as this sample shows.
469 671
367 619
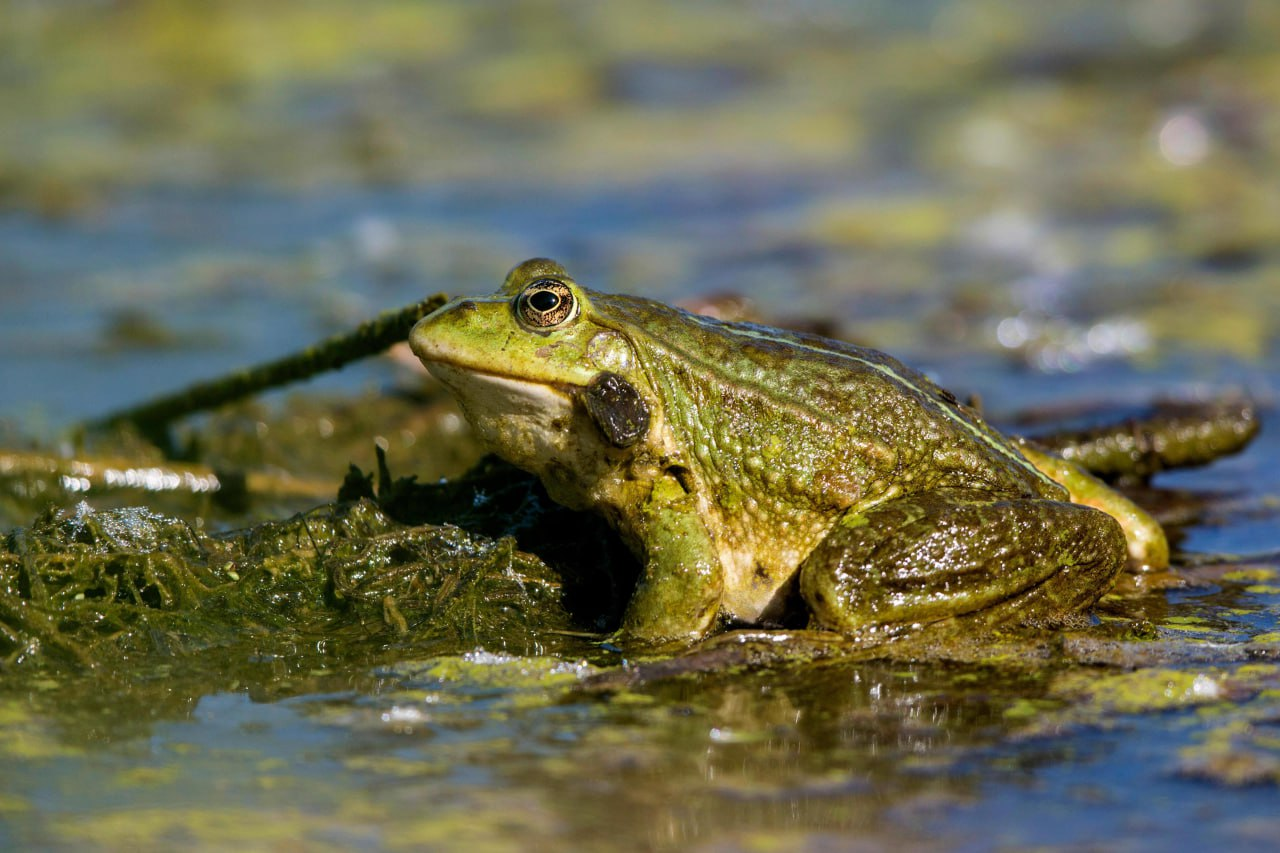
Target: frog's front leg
961 555
680 588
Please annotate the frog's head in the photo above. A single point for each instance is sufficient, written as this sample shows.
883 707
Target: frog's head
543 382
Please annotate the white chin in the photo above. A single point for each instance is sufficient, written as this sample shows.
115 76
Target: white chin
526 423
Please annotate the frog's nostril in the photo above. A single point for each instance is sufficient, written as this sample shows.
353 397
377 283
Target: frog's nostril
466 307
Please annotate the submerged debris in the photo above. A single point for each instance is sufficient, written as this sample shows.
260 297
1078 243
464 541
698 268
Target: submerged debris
1173 434
377 335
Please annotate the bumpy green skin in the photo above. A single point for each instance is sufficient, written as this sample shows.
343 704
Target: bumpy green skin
772 461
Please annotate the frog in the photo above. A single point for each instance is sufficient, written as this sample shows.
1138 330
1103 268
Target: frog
757 472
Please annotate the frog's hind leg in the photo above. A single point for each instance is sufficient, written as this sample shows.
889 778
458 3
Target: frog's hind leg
960 555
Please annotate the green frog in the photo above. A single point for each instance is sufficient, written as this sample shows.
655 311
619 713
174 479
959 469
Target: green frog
751 468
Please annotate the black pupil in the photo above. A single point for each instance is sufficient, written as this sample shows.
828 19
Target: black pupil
543 301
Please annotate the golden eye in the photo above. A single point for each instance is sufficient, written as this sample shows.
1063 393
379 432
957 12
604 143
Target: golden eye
546 303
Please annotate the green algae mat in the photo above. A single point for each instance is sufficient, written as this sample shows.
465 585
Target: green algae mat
216 633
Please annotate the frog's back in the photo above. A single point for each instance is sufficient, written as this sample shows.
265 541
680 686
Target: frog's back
826 424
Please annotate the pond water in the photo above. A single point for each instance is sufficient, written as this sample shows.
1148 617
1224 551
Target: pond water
1068 209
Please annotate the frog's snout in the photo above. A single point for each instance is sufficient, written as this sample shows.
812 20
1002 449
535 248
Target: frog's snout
426 336
423 337
419 336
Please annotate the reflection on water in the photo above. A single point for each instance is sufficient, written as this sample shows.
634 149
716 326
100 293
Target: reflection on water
501 750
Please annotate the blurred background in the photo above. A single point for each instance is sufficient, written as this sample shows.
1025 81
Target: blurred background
1064 207
995 190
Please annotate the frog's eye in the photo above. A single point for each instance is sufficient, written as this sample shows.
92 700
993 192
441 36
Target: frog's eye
546 303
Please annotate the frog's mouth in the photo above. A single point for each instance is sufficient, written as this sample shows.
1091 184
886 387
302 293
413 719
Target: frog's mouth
497 393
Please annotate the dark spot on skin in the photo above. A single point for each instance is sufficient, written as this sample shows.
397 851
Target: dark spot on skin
761 572
617 408
947 397
682 476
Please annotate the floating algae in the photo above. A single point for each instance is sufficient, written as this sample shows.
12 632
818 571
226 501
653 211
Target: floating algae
98 588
